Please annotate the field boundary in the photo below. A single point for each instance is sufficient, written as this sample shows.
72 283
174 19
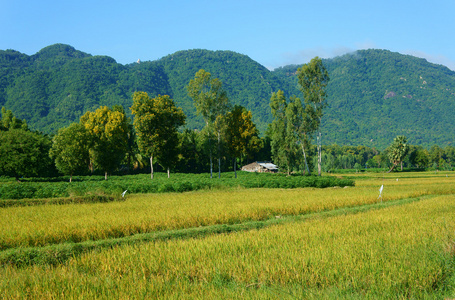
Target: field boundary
59 253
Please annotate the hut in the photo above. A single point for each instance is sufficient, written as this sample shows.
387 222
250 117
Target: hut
261 167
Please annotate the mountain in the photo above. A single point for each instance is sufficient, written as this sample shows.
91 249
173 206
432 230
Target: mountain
373 95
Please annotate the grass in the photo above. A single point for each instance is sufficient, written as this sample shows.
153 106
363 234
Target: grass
398 252
44 225
240 243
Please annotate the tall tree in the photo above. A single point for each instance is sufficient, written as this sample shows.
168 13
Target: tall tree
156 121
280 142
108 132
70 150
211 101
313 79
242 136
300 127
397 151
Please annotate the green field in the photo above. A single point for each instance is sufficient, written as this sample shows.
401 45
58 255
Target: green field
238 242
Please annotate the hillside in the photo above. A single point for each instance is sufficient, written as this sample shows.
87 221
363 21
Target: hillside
373 95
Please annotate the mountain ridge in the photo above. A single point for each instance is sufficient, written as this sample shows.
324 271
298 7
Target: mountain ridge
373 95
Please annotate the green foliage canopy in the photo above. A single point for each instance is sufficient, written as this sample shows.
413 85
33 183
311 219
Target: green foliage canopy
156 122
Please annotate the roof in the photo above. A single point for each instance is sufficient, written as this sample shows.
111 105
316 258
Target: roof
267 165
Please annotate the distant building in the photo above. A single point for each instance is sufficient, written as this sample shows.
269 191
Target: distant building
261 167
138 61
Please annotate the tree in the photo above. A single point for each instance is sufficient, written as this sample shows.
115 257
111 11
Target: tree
437 155
422 158
313 79
300 127
191 158
108 132
9 121
242 137
156 121
282 145
70 150
24 154
210 101
397 151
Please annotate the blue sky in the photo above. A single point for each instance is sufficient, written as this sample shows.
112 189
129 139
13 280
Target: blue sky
273 33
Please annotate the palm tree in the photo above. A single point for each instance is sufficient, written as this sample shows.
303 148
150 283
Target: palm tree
398 151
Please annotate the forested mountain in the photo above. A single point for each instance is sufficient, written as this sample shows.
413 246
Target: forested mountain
373 95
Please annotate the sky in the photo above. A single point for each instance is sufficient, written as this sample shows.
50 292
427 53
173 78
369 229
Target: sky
273 33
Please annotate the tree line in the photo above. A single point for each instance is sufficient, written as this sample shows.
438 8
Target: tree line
107 141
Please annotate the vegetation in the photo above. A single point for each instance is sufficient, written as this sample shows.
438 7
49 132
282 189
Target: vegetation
24 153
70 150
107 131
313 80
156 122
242 137
212 103
58 187
308 243
252 235
368 92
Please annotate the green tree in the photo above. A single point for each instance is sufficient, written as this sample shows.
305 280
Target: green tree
437 155
24 154
9 121
156 121
191 157
313 79
108 132
211 101
70 150
450 155
242 136
397 151
300 127
282 147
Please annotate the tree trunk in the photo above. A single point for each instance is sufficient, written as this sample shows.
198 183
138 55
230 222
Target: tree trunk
211 165
319 154
401 165
219 167
151 167
105 175
235 167
393 167
71 177
304 159
168 173
219 156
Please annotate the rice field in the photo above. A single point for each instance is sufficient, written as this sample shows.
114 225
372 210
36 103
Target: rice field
405 250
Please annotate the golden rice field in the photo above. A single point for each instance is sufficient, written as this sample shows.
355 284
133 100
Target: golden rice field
402 251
